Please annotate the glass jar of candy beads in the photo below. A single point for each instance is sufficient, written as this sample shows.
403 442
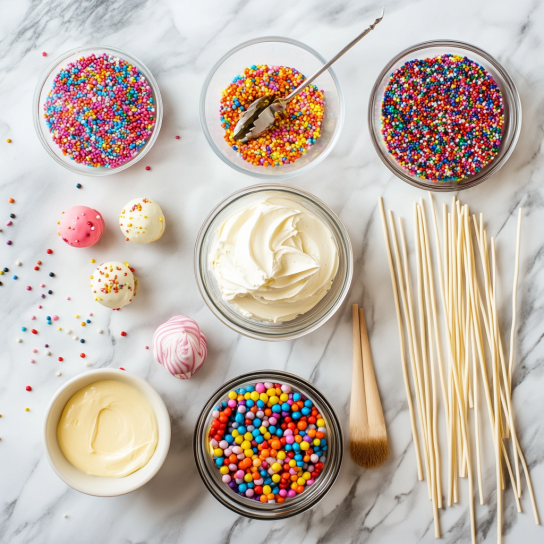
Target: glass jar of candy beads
97 110
268 445
444 115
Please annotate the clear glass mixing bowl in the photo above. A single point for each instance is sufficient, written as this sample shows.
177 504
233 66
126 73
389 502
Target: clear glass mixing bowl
512 111
274 51
44 86
249 507
260 330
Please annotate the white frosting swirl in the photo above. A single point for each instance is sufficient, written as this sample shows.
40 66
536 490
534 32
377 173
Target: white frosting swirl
180 346
273 259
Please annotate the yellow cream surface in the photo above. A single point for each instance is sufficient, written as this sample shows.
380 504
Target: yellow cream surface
108 429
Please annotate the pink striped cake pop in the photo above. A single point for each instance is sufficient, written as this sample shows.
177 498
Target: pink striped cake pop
180 346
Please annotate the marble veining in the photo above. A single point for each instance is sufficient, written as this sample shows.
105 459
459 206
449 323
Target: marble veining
179 42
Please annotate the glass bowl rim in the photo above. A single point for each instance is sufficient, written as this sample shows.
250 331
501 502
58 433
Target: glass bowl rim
261 187
221 494
515 114
256 174
127 56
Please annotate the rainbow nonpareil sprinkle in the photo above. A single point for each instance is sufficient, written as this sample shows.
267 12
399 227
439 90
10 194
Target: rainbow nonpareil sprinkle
442 117
100 111
295 131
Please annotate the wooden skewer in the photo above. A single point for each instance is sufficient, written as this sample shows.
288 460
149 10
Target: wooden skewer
514 302
401 340
420 399
498 436
432 402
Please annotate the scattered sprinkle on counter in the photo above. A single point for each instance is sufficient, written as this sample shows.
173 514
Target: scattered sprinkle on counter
295 130
28 388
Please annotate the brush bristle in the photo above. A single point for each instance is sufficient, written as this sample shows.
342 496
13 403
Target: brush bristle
369 452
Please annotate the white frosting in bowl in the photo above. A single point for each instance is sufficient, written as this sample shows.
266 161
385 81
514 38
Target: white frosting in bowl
273 259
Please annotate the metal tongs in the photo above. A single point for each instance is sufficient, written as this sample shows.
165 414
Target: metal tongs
261 114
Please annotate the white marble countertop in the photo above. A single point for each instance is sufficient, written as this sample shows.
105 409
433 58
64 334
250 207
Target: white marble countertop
179 42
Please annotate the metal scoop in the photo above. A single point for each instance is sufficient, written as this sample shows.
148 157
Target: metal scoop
261 114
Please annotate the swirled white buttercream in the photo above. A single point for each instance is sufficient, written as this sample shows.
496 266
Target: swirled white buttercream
273 259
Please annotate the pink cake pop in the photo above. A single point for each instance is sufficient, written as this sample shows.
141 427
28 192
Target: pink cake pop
180 346
81 226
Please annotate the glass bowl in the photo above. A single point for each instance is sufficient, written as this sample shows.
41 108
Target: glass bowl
261 330
44 86
512 111
249 507
272 51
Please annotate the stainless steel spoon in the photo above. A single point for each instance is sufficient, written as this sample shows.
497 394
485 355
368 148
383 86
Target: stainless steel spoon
261 114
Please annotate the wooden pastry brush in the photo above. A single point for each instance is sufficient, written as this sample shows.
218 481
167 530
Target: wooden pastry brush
368 445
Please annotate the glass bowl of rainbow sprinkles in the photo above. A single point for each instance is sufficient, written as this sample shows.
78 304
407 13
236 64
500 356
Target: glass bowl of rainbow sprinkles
301 137
97 110
268 445
444 115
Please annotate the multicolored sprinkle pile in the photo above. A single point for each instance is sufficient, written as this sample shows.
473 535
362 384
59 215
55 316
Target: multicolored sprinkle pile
100 111
268 442
442 117
295 130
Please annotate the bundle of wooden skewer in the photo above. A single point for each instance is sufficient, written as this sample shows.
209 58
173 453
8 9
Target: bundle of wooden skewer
453 356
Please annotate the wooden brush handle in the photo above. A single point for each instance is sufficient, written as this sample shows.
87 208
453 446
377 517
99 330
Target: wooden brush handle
373 402
358 421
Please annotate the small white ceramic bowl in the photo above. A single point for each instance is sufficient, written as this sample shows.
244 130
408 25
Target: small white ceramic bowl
93 485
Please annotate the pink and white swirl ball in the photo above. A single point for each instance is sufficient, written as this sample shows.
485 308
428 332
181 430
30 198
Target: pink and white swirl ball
180 346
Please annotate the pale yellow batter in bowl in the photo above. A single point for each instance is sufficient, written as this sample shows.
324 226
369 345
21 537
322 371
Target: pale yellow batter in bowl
108 429
113 431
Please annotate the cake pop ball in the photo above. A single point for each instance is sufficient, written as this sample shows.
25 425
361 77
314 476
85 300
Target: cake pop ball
142 221
81 226
180 346
113 285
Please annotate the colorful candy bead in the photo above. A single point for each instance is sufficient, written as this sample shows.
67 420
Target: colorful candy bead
442 117
268 443
100 111
294 132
